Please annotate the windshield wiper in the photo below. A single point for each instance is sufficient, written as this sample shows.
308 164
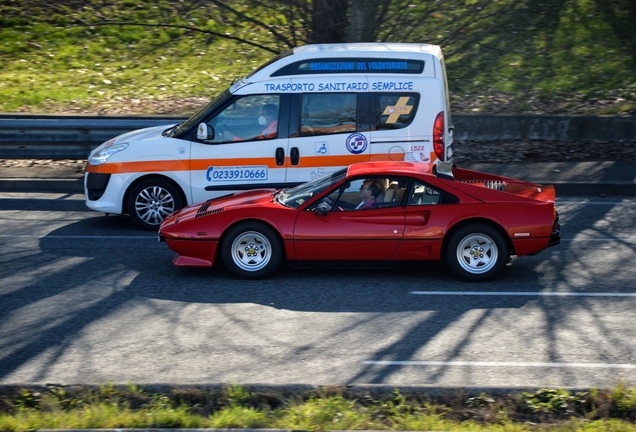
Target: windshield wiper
170 129
281 195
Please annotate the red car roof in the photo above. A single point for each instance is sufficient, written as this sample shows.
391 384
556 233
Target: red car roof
394 167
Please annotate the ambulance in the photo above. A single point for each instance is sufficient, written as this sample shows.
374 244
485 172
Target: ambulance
305 113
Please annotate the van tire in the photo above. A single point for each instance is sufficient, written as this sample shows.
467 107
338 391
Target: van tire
151 201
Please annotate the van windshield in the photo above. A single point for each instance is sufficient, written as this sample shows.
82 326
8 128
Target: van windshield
197 116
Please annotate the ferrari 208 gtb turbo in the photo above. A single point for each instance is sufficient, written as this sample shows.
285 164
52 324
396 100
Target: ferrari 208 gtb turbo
371 211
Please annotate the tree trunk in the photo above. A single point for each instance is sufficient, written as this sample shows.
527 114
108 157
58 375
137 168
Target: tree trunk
329 21
363 21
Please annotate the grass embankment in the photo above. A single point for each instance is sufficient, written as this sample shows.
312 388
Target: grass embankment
237 407
514 56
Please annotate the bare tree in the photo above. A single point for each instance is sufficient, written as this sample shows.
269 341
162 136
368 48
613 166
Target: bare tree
621 15
278 25
362 23
329 21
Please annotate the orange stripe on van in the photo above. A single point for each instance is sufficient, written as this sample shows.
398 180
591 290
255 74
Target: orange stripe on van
324 161
145 166
203 164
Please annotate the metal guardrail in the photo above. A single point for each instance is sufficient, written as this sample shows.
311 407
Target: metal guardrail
65 137
73 137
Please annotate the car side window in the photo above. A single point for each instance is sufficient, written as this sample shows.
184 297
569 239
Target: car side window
251 117
328 113
366 193
395 110
423 194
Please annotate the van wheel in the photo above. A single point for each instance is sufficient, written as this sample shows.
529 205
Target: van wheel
151 201
477 252
251 250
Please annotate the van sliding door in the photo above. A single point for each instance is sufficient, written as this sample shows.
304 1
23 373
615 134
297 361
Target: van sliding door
325 132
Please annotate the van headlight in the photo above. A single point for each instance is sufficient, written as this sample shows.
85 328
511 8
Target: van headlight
100 157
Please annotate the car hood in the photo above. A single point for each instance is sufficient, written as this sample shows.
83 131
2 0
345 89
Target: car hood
135 136
257 197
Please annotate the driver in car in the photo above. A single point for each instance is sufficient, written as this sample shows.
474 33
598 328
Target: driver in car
369 192
269 117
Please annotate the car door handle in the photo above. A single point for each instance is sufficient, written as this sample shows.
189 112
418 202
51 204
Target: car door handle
280 156
295 156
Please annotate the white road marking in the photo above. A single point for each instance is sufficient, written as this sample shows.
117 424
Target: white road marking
502 364
523 293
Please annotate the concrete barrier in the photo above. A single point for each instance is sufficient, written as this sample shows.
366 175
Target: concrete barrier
60 136
481 127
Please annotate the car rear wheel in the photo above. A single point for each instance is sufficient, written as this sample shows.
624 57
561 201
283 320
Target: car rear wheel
151 201
251 250
477 252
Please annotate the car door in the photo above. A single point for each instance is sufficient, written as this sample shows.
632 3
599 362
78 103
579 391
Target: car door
345 232
426 221
240 152
325 132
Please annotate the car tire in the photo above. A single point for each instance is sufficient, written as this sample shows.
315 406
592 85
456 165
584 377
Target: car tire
151 201
251 250
477 252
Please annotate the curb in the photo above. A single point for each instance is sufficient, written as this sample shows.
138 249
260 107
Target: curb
357 390
62 185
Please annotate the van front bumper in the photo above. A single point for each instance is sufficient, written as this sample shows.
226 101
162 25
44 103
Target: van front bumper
105 192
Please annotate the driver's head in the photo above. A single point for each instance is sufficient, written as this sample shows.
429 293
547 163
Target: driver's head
371 187
270 112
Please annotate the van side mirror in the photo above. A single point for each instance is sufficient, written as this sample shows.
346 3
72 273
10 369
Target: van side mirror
205 132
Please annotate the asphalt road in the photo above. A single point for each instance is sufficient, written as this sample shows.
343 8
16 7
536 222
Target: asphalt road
86 298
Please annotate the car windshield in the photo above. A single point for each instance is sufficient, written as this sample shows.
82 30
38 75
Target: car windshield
297 196
197 116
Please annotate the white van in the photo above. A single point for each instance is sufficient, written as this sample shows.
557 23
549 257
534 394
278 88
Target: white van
307 112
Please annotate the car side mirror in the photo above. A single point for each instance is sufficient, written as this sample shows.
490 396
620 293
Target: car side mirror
205 132
321 211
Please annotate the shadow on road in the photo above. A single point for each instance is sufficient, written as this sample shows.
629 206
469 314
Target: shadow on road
68 285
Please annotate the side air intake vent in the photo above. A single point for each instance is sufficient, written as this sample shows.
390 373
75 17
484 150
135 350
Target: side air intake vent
203 211
488 184
220 197
448 199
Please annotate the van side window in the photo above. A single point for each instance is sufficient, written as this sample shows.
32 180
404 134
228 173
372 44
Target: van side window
395 110
328 113
248 118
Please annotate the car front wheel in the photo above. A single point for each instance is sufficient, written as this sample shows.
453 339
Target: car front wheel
477 252
151 201
251 251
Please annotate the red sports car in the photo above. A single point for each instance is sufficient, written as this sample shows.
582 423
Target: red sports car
395 211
